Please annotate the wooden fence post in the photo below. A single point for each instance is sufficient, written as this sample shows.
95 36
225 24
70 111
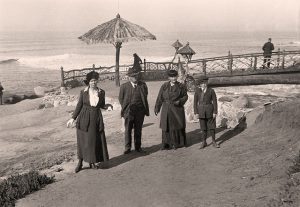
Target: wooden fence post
283 59
62 77
278 59
204 67
255 63
145 65
230 61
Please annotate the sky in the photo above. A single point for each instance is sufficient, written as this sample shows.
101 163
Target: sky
154 15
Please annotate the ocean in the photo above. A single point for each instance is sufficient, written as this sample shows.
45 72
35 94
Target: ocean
22 53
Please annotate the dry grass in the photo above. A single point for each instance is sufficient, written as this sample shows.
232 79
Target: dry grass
289 194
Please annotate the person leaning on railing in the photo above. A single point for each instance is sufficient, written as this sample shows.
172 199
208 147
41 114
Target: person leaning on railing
268 48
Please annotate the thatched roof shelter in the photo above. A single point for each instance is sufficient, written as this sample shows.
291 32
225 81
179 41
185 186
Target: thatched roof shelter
177 45
186 50
117 31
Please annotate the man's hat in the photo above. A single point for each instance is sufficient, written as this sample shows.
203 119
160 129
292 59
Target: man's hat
172 73
202 79
132 72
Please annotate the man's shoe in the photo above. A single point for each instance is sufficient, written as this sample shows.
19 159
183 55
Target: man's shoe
140 150
203 145
127 151
215 144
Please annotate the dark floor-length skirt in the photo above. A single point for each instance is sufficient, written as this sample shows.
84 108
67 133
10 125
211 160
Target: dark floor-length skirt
91 144
173 137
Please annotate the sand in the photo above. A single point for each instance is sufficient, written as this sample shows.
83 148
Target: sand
248 169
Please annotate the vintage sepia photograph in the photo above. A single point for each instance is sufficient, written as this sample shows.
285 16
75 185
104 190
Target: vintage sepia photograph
149 103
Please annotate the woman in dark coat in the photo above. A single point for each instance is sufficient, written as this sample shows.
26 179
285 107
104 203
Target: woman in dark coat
91 141
171 98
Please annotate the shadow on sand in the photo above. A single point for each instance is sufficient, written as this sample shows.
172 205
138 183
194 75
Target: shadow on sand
233 132
193 137
121 159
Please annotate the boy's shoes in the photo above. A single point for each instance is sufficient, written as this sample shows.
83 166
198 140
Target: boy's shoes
203 145
215 144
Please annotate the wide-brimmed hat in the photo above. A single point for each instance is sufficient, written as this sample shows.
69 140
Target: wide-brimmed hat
91 75
172 73
201 80
133 72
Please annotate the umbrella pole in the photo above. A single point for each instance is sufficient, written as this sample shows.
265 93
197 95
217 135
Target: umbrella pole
118 47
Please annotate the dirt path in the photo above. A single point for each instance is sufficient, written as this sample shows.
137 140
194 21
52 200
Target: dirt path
247 170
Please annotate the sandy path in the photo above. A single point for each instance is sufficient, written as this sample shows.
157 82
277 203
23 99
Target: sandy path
246 171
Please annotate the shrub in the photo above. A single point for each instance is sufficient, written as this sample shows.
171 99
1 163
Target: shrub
18 186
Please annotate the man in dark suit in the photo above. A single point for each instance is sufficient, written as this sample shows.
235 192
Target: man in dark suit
268 48
206 109
134 103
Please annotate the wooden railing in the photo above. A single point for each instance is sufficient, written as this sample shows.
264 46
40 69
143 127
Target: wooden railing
229 65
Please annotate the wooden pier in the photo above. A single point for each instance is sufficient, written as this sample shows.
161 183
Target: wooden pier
229 66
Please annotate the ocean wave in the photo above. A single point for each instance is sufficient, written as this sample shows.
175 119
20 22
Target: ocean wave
67 61
79 61
6 61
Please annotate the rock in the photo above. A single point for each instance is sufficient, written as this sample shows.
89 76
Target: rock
225 99
56 103
189 109
63 102
72 103
296 176
41 106
39 91
63 91
48 105
241 102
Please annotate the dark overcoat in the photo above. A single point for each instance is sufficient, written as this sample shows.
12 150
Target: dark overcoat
268 48
125 96
169 109
205 105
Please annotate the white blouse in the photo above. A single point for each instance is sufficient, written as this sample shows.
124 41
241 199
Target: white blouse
94 98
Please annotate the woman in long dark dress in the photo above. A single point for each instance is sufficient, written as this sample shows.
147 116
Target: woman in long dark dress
91 140
171 98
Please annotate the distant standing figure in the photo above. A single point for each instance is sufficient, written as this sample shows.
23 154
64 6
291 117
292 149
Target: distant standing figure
1 93
170 100
134 103
206 109
267 48
91 140
137 62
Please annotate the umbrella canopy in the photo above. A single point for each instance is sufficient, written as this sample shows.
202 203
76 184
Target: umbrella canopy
116 31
